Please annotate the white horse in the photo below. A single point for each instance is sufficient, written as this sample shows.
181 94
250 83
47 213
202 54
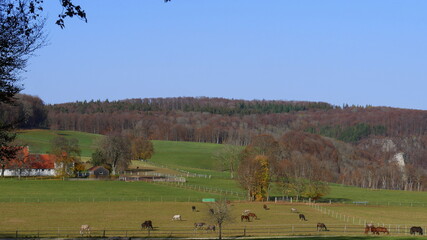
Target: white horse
294 210
85 229
176 218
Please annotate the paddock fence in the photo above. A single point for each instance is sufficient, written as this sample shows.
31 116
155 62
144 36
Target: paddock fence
190 232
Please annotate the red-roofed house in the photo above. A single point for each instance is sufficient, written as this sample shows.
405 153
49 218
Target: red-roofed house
26 164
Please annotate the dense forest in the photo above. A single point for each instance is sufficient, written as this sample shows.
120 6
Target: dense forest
347 141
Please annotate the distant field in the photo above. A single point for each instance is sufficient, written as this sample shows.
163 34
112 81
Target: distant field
188 155
39 140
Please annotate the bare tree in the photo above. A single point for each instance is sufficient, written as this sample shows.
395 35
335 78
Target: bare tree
220 213
116 151
228 158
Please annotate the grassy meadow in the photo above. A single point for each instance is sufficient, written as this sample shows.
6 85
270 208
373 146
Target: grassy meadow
116 208
39 140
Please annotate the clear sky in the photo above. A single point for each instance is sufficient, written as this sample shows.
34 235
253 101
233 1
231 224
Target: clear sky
361 52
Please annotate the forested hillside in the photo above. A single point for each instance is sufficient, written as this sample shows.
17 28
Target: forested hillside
351 142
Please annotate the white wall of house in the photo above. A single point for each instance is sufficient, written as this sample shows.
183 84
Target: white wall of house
30 172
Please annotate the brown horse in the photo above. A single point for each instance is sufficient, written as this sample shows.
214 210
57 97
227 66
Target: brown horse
147 225
252 215
415 230
321 227
377 230
245 217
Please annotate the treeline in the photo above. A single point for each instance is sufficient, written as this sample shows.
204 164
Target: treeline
220 106
25 112
301 163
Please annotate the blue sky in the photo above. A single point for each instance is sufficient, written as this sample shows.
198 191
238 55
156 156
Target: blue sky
360 52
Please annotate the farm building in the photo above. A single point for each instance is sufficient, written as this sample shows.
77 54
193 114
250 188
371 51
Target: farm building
98 172
26 164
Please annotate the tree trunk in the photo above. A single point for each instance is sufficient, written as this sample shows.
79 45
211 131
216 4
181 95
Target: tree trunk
220 231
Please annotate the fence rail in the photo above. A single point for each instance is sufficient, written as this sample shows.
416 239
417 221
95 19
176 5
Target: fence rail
248 231
106 199
203 189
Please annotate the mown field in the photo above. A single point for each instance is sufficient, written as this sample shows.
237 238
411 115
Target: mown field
117 208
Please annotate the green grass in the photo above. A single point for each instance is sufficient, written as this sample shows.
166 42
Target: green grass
39 140
185 155
75 191
349 194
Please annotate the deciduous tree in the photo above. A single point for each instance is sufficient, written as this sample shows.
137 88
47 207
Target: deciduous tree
67 153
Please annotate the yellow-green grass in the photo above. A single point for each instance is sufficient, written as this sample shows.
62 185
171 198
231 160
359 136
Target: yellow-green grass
126 217
387 215
39 140
129 215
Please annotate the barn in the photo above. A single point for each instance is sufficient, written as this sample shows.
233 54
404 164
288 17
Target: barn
98 172
26 164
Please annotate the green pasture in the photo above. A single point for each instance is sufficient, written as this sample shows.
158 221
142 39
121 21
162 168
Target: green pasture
349 194
39 140
75 191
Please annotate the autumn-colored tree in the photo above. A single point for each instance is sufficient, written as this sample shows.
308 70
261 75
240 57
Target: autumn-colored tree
67 153
141 148
254 176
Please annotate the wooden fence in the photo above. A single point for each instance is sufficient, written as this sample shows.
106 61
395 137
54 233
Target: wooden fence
189 232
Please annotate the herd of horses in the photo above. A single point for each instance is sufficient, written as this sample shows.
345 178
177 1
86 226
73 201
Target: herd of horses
248 216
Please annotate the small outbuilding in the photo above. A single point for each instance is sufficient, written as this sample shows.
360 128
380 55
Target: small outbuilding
98 172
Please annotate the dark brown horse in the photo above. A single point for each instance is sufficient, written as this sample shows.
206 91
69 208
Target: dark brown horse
210 228
246 217
377 230
302 217
321 227
147 225
414 230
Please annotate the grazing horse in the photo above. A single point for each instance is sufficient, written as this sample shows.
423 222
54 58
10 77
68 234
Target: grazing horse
85 229
377 230
199 225
245 217
193 208
294 210
414 230
321 227
368 227
265 207
302 217
252 215
210 228
147 225
176 218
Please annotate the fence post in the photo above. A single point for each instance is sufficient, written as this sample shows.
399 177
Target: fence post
244 231
16 234
103 234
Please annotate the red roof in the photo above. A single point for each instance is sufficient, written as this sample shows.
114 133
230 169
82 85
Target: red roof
33 161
